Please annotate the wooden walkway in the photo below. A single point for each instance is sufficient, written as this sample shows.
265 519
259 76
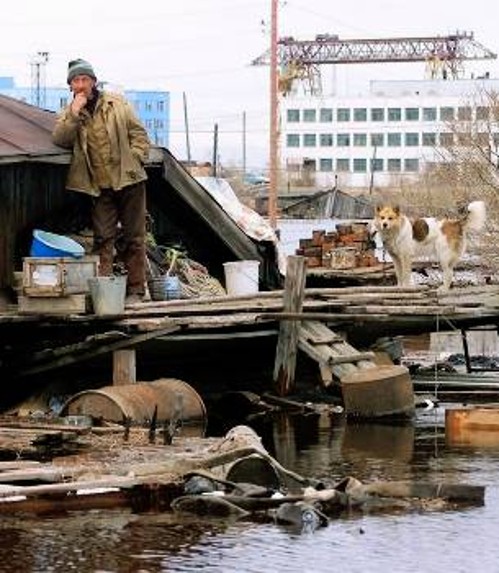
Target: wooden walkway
36 343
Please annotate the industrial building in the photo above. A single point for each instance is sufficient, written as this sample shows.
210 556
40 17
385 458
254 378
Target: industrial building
396 130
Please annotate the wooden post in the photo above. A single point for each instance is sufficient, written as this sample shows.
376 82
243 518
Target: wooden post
124 367
289 330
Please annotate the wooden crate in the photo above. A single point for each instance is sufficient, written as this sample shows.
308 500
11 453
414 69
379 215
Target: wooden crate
58 305
58 276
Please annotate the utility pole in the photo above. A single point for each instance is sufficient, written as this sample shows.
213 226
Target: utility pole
272 198
186 123
38 89
244 145
215 151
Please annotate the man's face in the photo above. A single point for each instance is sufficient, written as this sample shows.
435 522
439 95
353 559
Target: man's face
82 84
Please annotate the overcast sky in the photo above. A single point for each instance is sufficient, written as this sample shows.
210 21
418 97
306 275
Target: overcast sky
204 48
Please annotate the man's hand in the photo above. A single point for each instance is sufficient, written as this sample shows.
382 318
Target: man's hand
78 103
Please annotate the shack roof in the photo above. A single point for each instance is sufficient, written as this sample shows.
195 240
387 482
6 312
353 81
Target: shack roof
25 132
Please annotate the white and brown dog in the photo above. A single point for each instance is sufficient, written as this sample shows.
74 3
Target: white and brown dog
404 239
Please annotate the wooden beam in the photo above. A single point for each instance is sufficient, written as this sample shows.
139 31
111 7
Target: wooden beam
104 349
287 343
124 367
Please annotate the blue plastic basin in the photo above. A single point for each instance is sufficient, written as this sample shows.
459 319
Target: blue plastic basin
47 244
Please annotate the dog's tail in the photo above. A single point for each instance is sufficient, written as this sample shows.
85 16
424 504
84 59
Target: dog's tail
475 217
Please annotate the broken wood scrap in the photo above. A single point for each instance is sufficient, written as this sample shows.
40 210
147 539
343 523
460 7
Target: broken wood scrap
401 310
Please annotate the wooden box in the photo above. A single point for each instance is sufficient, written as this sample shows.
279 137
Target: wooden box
58 276
343 258
56 305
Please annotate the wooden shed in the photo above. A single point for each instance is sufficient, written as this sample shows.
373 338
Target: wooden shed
32 195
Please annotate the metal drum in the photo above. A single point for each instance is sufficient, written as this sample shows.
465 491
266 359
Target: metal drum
173 398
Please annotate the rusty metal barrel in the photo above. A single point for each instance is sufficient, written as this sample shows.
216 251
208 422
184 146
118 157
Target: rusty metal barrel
172 397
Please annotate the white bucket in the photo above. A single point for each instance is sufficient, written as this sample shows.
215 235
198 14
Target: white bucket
108 294
241 277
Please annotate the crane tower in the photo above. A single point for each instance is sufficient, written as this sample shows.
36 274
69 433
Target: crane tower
301 59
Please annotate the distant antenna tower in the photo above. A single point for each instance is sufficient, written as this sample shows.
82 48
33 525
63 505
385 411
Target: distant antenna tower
38 91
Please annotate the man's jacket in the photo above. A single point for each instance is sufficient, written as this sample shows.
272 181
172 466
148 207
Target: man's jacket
127 137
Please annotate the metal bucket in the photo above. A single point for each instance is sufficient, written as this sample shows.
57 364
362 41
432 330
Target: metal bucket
137 401
108 294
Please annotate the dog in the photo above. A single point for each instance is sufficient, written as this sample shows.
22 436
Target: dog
404 239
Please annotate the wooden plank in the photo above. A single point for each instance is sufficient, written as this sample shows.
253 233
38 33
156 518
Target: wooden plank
287 344
72 304
124 366
104 349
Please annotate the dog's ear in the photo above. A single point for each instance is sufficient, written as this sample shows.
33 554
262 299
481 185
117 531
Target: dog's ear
396 209
378 208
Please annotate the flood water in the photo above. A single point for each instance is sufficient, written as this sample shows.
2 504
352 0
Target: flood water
461 540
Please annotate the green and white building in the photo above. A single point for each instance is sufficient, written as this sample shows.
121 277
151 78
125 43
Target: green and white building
395 131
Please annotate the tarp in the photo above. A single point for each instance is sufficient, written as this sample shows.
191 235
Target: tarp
248 220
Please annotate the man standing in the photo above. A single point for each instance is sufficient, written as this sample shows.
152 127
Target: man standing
110 147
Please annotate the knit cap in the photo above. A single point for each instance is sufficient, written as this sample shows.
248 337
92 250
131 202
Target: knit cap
80 67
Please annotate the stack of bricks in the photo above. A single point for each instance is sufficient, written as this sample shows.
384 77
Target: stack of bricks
349 246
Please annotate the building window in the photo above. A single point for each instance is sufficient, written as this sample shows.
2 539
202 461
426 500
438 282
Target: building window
359 139
464 113
394 114
482 139
377 114
429 114
446 139
464 139
394 165
292 140
377 139
309 115
343 114
360 114
148 106
326 114
293 115
412 114
326 140
343 140
394 140
343 165
63 102
446 113
158 124
429 139
309 140
359 165
482 113
160 105
377 164
412 139
148 123
411 165
325 164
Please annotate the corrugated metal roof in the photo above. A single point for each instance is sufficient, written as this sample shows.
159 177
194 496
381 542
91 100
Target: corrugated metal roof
25 131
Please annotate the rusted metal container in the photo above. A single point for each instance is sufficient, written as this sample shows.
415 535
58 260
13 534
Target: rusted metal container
173 398
474 426
377 392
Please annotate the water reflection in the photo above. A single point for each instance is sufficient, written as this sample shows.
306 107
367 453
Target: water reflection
325 447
